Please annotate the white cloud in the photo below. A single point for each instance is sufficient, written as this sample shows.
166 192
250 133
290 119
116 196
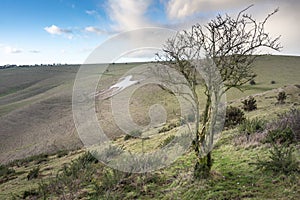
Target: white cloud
128 14
12 50
179 9
34 51
283 23
54 30
93 29
91 12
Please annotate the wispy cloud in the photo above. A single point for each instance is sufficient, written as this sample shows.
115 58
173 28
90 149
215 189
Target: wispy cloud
92 29
12 50
179 9
91 12
55 30
34 51
128 14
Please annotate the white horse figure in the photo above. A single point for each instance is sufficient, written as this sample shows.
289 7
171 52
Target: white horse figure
122 84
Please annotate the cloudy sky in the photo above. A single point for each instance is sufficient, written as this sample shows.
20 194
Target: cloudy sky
67 31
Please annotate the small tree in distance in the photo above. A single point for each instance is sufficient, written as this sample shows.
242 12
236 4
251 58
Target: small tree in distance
232 44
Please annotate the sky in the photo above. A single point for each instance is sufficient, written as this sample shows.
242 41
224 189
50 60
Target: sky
67 31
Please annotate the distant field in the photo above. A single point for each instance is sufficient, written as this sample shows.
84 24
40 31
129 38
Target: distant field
35 103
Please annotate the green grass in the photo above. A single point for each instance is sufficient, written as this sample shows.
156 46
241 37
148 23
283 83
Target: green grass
232 176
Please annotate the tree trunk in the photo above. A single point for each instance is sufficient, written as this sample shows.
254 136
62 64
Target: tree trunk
204 162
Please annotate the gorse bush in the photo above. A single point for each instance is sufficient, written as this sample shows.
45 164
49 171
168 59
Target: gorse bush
5 170
34 173
280 136
36 158
250 126
109 153
234 116
281 160
249 104
252 82
70 179
286 128
170 126
62 153
281 97
133 134
167 141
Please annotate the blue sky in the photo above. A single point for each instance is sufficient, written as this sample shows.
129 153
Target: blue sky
66 31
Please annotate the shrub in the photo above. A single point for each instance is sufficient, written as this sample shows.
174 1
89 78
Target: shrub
133 134
280 136
281 160
167 141
250 126
170 127
109 153
86 159
281 97
29 193
191 118
4 170
252 82
62 153
36 158
34 173
234 116
70 179
249 104
286 127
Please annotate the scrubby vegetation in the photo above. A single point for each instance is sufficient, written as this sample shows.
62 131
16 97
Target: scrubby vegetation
133 134
281 97
167 141
234 116
34 173
249 104
280 160
252 82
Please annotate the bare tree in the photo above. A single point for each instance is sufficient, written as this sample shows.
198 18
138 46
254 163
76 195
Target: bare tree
227 46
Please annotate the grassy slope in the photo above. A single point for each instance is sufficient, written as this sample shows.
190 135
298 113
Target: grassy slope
232 177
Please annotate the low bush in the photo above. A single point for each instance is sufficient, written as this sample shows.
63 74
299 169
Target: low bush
36 158
170 126
250 126
281 160
249 104
34 173
167 141
70 179
62 153
5 171
109 153
281 97
133 134
29 194
234 116
252 82
286 128
280 136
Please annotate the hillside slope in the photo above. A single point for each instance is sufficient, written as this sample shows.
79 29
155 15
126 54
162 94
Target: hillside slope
36 114
76 175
